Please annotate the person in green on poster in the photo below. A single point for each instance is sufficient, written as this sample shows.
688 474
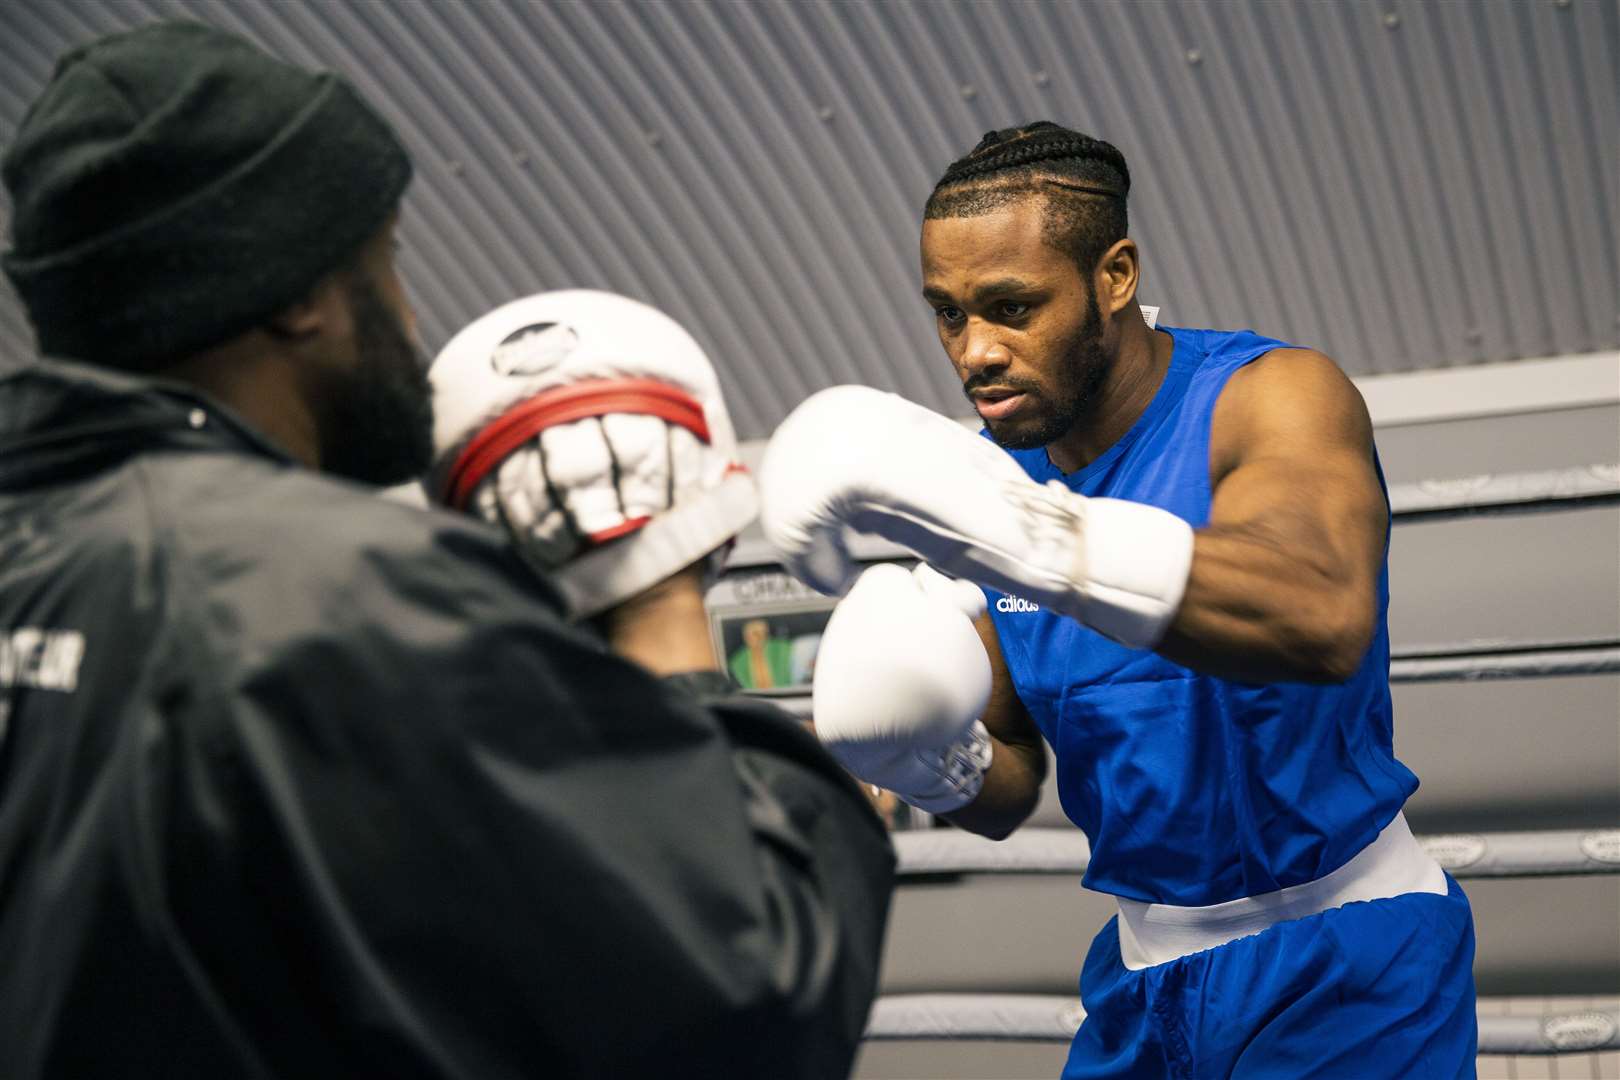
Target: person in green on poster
763 662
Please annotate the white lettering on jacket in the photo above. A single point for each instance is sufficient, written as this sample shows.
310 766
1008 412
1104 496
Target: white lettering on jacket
41 659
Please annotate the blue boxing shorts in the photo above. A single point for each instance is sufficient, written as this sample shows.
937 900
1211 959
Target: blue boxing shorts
1370 990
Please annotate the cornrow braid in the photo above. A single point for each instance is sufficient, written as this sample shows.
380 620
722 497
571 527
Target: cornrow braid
1013 148
1084 180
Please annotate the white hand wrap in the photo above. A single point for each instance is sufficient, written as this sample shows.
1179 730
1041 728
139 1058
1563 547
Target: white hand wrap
873 462
576 418
901 678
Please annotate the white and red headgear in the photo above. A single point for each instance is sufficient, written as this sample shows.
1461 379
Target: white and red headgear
592 428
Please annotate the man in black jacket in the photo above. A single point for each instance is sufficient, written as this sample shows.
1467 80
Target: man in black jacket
295 781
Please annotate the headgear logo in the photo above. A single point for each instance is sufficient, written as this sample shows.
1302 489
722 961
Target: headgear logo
1015 603
532 349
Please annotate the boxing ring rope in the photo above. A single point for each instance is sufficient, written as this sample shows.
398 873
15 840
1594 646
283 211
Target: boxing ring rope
1058 850
1054 1018
1471 661
1526 492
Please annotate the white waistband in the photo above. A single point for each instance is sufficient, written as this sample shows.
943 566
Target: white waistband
1393 864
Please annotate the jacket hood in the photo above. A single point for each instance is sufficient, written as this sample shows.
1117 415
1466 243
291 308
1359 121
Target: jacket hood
60 419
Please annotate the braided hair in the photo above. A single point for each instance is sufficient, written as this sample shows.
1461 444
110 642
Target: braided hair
1085 182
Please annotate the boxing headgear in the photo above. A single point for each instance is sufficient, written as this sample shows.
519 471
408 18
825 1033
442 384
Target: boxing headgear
591 427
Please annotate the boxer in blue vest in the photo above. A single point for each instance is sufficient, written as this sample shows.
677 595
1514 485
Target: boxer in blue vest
1183 538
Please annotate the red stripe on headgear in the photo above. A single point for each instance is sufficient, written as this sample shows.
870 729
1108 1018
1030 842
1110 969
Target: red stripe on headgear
564 405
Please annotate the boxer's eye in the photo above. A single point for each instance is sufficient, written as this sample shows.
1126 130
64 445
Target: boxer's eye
1012 309
948 315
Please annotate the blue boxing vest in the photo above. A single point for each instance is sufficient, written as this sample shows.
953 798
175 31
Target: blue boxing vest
1194 789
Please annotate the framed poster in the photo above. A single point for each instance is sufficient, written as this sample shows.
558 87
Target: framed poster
771 648
767 629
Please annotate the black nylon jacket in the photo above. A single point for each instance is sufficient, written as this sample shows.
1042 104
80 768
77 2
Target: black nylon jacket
297 782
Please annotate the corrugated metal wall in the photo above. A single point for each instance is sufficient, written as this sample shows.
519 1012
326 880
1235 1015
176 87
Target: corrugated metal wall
1405 185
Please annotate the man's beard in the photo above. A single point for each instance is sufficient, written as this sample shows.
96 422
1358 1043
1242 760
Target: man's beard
377 419
1085 365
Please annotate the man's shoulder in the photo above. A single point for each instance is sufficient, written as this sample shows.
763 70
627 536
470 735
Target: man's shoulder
1285 369
289 544
1228 349
1287 396
1237 363
239 498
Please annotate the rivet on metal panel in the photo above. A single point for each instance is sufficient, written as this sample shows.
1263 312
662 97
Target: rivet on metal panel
1391 19
1041 78
968 91
825 112
1195 57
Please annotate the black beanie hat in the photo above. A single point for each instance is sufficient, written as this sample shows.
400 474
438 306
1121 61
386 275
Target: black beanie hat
174 185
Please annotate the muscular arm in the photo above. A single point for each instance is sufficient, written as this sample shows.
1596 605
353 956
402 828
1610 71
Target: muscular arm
1284 576
1012 786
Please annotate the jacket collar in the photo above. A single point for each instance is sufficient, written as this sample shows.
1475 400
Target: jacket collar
59 418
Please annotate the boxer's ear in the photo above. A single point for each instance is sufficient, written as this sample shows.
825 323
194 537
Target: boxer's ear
1116 277
320 310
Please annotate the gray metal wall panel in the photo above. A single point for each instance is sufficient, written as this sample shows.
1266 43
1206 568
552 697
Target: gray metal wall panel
1043 926
1511 754
1519 578
1495 755
967 1059
1556 935
1434 189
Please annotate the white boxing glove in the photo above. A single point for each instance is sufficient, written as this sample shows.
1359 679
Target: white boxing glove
856 458
901 680
591 427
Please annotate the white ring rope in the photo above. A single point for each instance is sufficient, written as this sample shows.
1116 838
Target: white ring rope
1055 1018
1552 489
1050 850
1589 658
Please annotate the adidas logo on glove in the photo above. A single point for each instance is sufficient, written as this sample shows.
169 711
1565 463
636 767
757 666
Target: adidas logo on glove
1015 604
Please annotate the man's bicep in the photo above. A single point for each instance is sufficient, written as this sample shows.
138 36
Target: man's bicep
1292 457
1329 501
1284 579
